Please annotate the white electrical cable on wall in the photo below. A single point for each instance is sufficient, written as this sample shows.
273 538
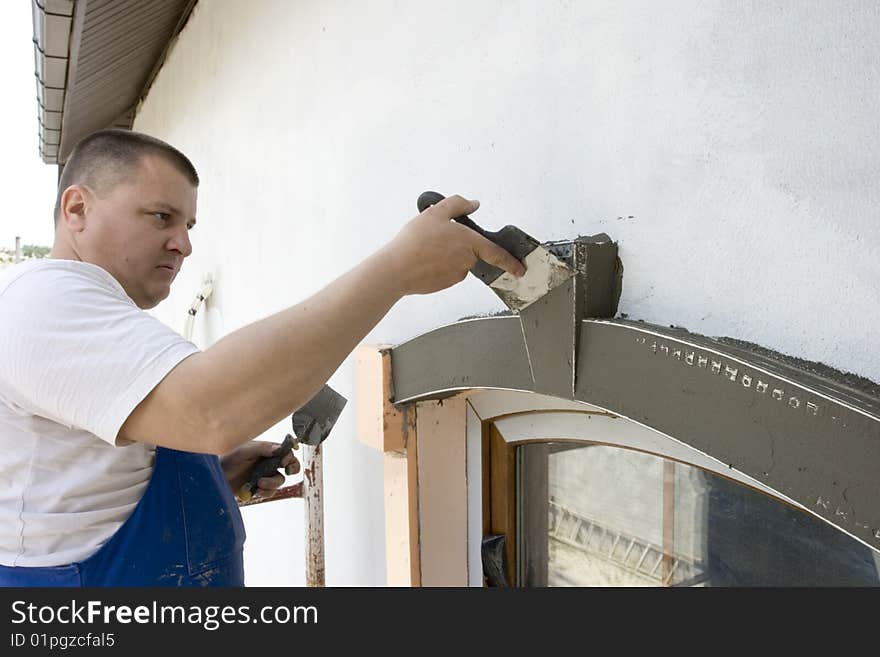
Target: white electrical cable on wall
201 296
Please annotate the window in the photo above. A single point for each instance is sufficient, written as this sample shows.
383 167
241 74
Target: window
600 515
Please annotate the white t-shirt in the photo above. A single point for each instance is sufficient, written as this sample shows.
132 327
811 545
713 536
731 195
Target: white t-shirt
76 357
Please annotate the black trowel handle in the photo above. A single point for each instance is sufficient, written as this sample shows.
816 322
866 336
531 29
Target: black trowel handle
427 199
266 467
482 270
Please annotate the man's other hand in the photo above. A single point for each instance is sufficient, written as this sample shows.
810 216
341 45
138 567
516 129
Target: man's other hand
237 466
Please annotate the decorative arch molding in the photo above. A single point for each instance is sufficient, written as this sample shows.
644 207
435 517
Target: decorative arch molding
803 430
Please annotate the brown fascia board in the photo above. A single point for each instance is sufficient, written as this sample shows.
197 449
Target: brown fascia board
108 70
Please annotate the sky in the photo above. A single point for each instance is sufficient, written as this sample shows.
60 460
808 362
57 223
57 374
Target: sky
29 183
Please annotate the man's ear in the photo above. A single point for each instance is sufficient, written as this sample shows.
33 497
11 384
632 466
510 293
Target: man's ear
73 207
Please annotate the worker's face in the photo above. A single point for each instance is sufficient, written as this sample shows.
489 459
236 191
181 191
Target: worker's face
139 230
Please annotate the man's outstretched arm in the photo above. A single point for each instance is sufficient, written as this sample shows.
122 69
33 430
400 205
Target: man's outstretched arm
254 377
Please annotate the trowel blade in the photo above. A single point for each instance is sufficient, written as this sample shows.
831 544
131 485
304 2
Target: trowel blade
313 422
544 272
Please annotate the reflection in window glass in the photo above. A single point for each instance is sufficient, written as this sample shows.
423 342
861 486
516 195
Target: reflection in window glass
594 515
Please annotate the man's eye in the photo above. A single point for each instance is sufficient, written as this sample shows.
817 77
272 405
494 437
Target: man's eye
164 216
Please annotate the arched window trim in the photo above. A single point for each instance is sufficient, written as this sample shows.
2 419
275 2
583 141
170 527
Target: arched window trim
810 438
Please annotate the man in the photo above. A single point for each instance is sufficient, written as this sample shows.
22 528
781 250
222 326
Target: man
111 424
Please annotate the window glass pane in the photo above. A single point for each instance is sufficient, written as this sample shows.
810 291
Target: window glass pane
594 515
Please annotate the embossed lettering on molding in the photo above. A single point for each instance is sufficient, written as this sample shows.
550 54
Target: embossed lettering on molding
734 372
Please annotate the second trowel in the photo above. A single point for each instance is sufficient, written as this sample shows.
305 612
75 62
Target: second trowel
544 271
311 426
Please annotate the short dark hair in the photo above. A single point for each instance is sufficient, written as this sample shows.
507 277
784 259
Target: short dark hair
107 158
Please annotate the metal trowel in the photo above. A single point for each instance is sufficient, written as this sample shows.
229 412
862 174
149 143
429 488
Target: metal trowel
544 271
312 423
311 426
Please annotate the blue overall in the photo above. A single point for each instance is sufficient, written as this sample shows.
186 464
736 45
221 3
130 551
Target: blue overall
186 530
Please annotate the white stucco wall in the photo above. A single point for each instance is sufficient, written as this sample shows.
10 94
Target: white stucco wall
730 148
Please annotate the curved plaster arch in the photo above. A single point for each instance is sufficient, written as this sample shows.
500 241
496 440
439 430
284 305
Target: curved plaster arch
810 434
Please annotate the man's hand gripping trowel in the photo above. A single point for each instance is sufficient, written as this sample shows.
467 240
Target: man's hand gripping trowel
544 271
311 425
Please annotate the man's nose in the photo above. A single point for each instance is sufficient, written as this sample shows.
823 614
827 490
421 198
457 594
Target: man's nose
180 242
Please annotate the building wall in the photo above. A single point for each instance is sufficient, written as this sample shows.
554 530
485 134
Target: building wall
729 148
